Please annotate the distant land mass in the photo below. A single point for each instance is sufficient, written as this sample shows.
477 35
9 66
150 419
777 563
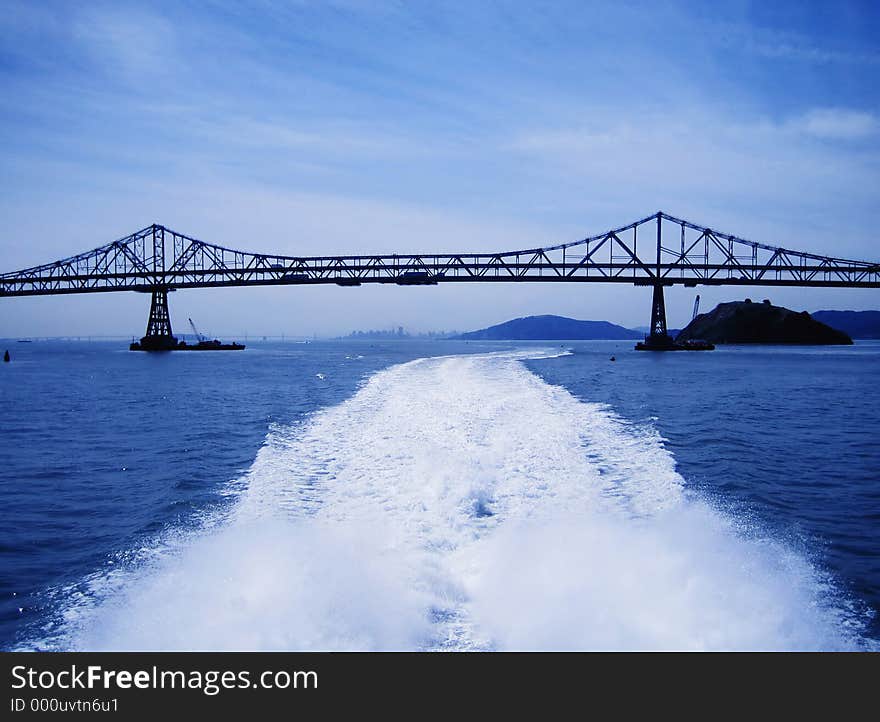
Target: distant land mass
858 324
747 322
550 328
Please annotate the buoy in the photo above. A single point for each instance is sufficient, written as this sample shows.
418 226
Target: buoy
613 359
6 357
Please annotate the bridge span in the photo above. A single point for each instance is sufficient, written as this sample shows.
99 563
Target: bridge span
659 250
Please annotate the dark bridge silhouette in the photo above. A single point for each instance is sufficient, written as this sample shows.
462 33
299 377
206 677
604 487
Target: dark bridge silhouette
671 251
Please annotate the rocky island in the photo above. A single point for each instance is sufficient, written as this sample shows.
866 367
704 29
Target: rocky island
748 322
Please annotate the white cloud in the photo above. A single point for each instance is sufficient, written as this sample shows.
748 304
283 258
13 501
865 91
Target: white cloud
709 155
839 124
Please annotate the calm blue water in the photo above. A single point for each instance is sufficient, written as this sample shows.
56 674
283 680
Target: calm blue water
322 496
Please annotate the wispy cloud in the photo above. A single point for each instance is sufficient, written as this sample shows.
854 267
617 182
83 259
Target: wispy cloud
781 43
839 124
134 43
805 51
703 158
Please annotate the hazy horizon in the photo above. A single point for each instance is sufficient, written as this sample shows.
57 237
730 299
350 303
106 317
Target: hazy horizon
409 333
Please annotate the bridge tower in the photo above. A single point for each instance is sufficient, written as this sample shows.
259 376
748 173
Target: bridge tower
159 336
658 339
658 315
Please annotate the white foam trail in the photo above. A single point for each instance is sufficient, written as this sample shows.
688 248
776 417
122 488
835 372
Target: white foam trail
462 502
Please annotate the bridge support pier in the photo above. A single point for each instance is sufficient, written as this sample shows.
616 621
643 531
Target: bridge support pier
658 339
159 336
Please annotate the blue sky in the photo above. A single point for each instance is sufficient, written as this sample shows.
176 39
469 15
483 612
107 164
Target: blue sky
335 127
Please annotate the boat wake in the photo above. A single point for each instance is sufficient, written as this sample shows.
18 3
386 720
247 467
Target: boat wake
463 503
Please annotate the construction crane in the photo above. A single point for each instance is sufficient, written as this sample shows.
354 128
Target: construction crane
696 308
199 336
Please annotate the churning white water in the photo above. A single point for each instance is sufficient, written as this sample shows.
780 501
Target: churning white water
463 503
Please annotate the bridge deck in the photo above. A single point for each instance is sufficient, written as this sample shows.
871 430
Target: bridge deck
675 252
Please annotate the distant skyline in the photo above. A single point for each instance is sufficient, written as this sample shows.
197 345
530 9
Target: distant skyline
338 127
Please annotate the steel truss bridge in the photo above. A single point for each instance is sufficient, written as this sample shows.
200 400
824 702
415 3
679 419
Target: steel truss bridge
670 251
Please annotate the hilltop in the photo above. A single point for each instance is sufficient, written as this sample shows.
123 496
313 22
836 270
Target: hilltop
550 328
